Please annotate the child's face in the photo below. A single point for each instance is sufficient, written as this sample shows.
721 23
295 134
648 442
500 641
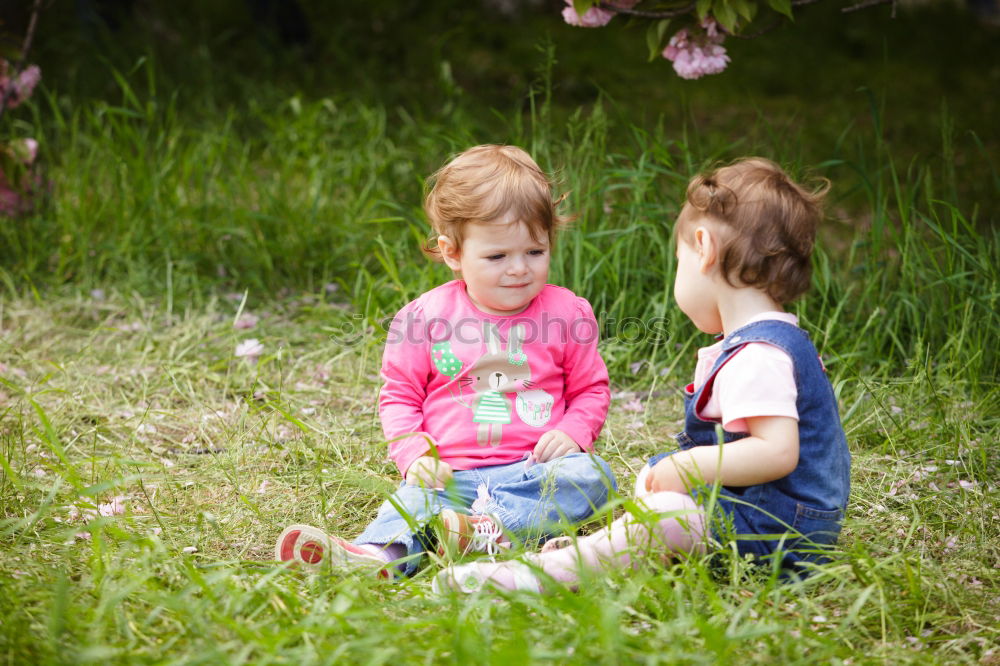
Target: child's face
695 290
503 267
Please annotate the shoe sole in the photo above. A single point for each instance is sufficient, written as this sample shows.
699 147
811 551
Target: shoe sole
313 549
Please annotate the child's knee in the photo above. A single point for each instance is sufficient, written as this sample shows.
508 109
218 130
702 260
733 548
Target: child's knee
683 530
640 482
412 502
588 471
667 500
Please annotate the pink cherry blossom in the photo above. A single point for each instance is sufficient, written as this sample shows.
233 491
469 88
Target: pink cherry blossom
712 29
595 17
694 57
677 42
17 90
25 150
27 80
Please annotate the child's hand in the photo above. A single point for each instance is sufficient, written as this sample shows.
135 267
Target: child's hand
429 472
554 444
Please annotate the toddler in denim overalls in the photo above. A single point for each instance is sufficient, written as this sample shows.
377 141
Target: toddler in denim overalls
777 485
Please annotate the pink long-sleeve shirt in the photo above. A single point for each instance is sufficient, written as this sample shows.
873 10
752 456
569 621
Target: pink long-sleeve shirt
483 388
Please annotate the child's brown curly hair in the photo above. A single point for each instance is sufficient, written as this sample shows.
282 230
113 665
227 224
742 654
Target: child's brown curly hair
769 224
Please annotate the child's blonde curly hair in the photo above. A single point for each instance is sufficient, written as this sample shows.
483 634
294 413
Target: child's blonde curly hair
490 183
769 224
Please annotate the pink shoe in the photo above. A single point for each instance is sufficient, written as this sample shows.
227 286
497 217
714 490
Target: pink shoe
476 576
313 549
477 533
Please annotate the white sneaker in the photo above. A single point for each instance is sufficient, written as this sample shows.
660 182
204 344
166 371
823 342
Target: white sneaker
476 533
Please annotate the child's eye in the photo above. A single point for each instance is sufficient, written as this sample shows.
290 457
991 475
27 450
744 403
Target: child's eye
536 253
495 257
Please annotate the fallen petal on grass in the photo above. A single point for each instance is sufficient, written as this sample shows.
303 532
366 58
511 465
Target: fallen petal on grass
115 507
245 322
249 349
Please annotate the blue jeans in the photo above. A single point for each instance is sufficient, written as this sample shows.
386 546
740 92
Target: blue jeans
531 500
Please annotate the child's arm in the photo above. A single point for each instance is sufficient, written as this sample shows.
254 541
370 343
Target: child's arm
586 389
769 453
406 371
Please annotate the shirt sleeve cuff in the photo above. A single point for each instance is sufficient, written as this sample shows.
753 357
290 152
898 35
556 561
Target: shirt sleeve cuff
409 450
579 434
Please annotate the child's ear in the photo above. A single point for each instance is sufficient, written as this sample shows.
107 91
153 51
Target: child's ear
705 243
450 252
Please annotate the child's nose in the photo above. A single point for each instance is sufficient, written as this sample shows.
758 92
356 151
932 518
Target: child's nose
518 266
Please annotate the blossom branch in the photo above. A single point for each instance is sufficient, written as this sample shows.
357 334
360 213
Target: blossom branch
687 9
694 50
869 3
801 3
641 13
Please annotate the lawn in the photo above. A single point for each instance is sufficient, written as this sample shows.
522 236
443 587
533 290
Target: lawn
202 191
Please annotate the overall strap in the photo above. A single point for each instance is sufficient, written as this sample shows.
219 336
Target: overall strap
706 388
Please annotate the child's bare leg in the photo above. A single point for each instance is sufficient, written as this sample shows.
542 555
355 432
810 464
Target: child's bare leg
615 547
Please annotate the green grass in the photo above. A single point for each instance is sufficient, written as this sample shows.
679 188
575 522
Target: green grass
119 398
180 195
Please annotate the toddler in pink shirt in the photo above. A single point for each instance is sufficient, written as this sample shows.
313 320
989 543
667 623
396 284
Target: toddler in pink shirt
494 392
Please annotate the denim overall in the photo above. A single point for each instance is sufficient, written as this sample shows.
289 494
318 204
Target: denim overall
802 511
